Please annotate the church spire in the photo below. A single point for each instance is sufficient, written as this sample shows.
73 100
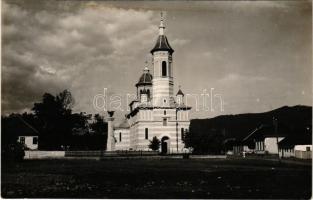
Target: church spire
162 43
161 27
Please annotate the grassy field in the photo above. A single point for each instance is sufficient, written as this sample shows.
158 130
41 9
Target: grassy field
231 178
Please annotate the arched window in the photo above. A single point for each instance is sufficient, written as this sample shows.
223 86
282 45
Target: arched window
120 136
164 122
164 112
164 70
169 70
148 92
182 133
146 133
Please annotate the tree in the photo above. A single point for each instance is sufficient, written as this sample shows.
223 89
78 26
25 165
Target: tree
80 123
99 126
154 144
13 152
56 120
56 125
66 100
204 142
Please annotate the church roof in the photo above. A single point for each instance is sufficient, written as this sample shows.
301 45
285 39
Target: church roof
145 79
162 45
122 125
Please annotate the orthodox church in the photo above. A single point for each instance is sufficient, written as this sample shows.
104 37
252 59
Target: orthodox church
156 111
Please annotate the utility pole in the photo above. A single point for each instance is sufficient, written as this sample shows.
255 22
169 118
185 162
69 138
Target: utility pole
176 130
276 133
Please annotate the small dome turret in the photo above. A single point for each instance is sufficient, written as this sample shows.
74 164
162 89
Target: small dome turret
145 79
180 96
180 92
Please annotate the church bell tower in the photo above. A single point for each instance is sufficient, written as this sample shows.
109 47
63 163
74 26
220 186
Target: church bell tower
162 70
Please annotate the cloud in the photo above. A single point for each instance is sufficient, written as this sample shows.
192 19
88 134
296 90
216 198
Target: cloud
232 77
47 51
179 42
251 49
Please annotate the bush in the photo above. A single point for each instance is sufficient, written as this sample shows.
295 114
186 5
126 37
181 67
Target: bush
154 144
13 152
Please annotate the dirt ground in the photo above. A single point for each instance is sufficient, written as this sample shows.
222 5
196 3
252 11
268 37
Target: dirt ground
141 178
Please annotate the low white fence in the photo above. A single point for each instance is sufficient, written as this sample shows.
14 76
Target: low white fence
44 154
85 154
108 153
207 156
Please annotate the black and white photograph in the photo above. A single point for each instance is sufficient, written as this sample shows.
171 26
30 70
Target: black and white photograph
156 99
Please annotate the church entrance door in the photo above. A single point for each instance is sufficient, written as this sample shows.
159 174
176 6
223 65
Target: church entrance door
164 144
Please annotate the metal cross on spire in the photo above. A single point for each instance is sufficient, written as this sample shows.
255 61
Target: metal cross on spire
161 27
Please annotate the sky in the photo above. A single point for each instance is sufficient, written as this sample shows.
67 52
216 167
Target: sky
254 55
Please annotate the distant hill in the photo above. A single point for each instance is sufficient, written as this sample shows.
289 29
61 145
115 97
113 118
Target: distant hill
294 121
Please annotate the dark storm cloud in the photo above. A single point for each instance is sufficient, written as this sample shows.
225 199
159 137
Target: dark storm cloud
256 54
45 51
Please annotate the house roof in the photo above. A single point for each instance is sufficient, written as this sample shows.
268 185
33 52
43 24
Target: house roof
17 126
264 131
298 139
31 131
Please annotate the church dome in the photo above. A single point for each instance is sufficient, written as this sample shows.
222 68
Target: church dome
145 79
162 45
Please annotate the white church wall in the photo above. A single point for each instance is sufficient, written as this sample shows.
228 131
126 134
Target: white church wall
123 142
153 120
159 122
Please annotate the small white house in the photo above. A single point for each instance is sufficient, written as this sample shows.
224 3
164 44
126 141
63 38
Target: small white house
28 135
265 139
303 151
296 146
268 145
30 142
